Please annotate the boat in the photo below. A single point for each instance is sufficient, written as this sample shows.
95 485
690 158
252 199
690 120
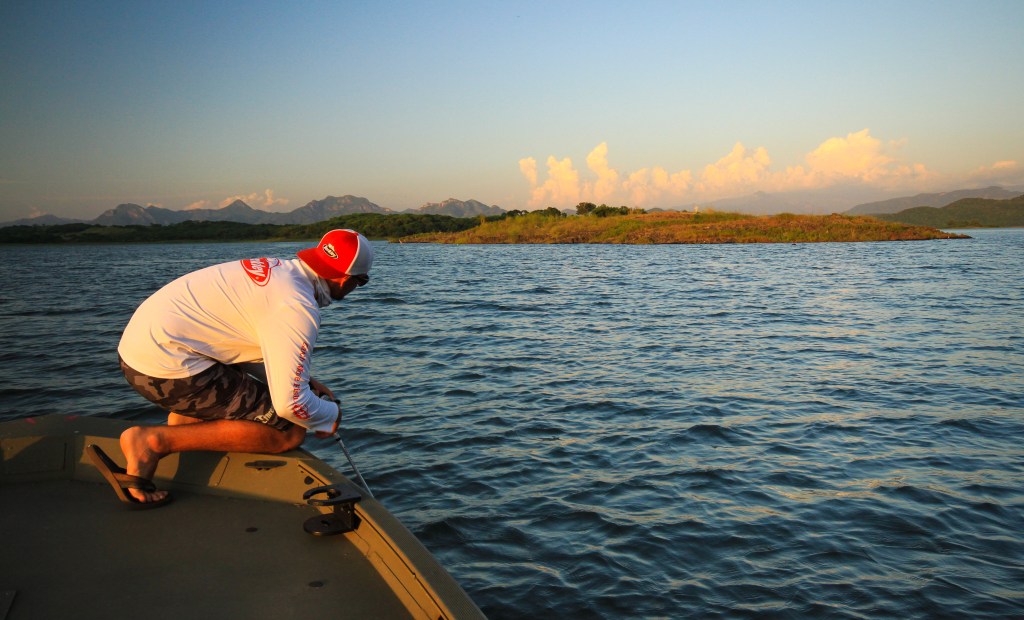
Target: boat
246 536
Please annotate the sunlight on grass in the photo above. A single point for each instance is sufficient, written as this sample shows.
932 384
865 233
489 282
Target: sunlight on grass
683 227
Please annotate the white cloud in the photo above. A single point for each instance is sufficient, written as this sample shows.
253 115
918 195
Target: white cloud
607 182
528 166
562 187
256 200
856 158
856 155
861 157
738 172
646 185
1007 172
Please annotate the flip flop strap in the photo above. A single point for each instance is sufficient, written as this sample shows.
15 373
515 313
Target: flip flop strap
127 481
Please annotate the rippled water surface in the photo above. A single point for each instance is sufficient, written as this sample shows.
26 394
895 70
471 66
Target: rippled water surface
623 431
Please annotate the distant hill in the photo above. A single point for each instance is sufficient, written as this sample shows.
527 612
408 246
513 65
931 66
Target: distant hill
41 220
137 215
941 199
133 214
331 206
965 213
798 202
459 208
238 211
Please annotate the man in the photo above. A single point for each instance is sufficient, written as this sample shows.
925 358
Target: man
197 346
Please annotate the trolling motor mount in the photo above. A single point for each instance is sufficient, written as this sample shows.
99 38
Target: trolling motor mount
342 497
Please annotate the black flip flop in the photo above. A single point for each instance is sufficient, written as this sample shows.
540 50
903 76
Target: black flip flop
121 480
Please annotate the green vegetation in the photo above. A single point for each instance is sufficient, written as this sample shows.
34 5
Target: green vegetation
373 225
595 224
966 213
589 208
675 227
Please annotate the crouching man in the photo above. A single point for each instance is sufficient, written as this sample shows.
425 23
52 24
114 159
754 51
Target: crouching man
227 351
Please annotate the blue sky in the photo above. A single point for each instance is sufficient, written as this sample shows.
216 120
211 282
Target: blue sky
523 105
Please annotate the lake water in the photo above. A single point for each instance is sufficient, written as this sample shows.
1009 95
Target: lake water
824 430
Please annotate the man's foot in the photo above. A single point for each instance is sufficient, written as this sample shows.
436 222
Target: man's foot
139 446
121 481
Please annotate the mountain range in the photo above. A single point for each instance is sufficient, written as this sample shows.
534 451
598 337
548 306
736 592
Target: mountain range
803 202
942 199
238 211
964 213
838 200
459 208
759 203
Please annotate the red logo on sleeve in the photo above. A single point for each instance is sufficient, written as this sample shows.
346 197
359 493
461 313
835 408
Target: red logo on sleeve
258 269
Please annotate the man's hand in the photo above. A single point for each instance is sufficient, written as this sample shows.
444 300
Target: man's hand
322 390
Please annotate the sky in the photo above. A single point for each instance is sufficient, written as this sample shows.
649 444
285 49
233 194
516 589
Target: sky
520 104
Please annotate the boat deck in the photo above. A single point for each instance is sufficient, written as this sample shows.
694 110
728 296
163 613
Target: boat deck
232 544
201 556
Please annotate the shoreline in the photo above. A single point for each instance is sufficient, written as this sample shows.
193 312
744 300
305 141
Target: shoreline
526 228
683 228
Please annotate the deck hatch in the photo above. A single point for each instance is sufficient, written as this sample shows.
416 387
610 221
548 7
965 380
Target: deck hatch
32 456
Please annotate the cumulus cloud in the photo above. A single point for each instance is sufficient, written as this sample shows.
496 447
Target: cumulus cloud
199 204
857 157
741 170
256 200
1007 171
646 185
528 166
562 186
607 182
860 157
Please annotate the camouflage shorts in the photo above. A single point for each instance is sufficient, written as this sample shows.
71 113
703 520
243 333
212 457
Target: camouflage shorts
221 392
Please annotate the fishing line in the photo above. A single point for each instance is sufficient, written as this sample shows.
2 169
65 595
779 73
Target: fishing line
341 443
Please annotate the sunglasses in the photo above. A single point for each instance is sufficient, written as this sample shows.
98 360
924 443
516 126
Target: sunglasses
361 279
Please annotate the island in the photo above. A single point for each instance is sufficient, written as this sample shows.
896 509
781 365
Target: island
627 226
598 225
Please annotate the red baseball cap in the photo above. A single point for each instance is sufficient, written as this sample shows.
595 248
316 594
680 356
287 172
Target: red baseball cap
340 253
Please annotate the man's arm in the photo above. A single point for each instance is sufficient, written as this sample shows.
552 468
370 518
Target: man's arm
287 337
322 390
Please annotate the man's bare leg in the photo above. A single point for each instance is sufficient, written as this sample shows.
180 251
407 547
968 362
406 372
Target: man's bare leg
144 446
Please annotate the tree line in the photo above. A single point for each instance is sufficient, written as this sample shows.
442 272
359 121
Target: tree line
603 210
583 208
373 225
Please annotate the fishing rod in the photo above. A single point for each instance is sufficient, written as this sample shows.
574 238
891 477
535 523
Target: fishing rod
336 437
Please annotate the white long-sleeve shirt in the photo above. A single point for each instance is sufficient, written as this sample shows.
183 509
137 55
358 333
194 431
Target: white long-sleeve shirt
260 309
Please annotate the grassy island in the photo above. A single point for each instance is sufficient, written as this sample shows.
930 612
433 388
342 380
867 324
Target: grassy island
373 225
600 225
682 227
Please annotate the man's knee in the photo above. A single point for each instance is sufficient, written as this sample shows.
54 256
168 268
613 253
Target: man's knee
291 438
